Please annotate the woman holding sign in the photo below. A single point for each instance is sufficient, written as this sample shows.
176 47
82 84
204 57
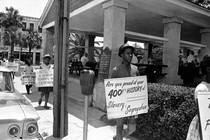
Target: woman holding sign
194 132
45 90
28 68
125 69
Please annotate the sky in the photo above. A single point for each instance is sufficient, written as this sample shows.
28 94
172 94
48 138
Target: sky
31 8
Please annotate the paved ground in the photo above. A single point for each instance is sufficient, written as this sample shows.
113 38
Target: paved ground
97 129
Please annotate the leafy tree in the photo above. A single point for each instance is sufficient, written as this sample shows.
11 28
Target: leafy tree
21 42
203 3
77 44
11 21
33 40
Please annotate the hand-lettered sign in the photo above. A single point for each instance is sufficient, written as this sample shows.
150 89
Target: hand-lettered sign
126 96
12 66
44 78
28 78
204 113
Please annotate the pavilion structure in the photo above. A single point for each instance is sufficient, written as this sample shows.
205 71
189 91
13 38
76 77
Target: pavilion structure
173 24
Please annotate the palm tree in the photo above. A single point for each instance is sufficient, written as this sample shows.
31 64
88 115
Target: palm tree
33 40
21 42
11 21
77 44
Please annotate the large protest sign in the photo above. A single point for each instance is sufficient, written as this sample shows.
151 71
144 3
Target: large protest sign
28 78
126 96
204 114
12 66
44 78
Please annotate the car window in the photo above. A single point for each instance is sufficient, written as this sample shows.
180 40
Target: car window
6 82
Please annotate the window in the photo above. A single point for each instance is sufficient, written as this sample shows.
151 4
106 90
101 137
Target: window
24 26
31 26
39 29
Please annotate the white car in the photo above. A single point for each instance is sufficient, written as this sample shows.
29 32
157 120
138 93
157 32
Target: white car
18 118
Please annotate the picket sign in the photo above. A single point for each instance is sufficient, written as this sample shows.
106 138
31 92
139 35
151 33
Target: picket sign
126 96
204 114
28 78
44 78
12 66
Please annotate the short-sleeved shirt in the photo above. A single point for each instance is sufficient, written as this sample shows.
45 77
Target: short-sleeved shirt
28 69
124 71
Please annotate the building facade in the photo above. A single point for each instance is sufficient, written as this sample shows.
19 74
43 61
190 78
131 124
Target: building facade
28 23
172 24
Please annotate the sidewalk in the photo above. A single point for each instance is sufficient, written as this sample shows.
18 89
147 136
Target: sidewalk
97 129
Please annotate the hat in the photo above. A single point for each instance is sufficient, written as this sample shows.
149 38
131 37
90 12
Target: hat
47 56
123 48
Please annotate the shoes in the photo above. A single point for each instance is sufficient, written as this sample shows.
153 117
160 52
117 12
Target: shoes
40 101
46 107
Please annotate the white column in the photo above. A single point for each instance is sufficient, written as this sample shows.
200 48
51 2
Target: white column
47 41
114 34
205 39
172 31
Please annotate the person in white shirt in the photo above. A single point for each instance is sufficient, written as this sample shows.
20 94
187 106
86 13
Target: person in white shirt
191 57
84 59
45 90
28 68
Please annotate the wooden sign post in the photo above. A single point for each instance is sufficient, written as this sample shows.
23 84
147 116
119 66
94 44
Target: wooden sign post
204 114
126 97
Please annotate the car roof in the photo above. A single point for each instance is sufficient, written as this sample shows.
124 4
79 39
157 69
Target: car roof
4 69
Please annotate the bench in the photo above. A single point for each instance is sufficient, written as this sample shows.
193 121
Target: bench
75 66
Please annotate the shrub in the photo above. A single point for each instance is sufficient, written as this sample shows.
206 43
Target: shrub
171 109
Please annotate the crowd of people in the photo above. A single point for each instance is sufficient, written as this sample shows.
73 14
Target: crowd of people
46 65
189 68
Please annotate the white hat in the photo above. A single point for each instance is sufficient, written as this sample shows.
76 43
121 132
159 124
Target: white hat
47 56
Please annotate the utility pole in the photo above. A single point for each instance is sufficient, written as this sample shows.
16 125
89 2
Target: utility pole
60 103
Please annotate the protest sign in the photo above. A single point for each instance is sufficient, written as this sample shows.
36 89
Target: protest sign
204 114
44 78
28 78
12 66
126 96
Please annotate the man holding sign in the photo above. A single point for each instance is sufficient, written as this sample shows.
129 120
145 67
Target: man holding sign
125 69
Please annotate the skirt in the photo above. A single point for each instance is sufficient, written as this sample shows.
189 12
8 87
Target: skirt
45 89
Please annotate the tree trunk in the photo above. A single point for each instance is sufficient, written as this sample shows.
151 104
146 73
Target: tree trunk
20 52
12 46
29 55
